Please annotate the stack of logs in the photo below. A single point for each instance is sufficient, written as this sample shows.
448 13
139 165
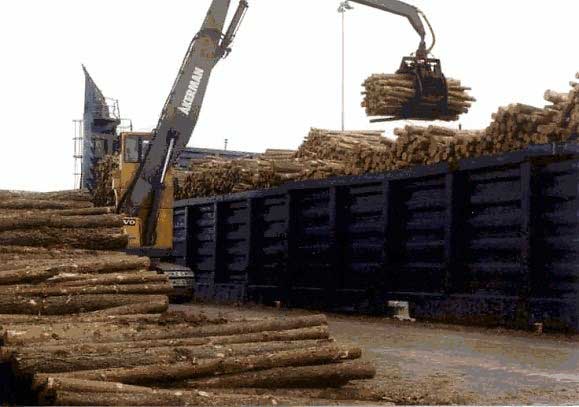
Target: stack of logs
172 359
39 281
218 175
58 219
330 153
394 96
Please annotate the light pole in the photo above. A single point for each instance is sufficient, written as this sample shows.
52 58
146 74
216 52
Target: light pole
344 6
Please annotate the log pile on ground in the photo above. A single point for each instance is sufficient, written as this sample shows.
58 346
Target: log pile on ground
173 358
392 95
327 153
62 219
60 282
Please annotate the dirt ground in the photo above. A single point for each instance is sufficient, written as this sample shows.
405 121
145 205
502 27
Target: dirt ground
432 364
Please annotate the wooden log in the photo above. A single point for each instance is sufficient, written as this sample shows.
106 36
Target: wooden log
315 333
72 195
156 305
56 253
91 386
70 305
209 367
27 203
57 291
64 391
59 222
334 375
19 276
139 277
107 210
90 238
26 362
73 269
166 398
103 332
33 320
102 264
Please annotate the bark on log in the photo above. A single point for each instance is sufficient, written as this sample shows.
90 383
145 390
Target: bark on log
91 238
70 305
26 362
209 367
334 375
154 288
59 222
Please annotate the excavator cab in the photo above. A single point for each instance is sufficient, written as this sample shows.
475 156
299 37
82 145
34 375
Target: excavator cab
134 148
430 84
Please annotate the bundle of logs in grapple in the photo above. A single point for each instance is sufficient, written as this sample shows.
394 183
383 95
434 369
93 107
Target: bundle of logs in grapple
141 359
396 96
330 153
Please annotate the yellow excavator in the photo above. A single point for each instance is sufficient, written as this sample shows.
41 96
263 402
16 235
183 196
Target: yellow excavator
144 182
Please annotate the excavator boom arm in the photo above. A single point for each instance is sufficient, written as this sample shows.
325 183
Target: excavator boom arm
413 14
181 111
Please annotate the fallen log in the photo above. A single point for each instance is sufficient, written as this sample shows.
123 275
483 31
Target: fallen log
334 375
70 305
182 371
90 238
27 362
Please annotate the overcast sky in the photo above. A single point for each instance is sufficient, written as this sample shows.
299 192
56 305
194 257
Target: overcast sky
282 78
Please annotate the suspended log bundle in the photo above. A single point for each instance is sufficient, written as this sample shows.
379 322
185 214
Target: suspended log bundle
394 96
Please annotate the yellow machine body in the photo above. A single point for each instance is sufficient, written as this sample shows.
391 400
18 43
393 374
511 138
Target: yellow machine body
133 149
